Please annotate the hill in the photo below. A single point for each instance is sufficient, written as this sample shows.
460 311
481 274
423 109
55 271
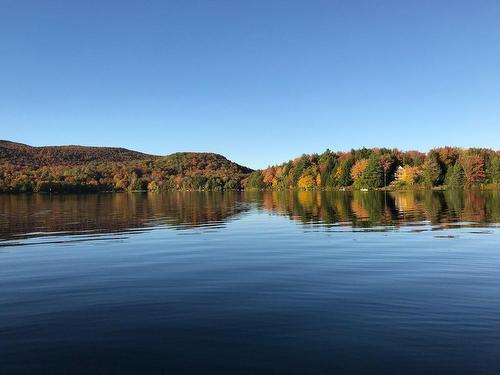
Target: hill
25 168
21 154
201 161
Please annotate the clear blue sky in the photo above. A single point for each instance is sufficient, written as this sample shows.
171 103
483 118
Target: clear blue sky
258 81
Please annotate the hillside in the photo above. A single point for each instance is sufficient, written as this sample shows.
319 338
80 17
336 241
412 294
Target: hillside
21 154
193 162
25 168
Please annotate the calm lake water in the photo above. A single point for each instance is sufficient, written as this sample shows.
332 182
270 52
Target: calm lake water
361 283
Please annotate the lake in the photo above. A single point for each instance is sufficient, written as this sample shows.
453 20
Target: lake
275 282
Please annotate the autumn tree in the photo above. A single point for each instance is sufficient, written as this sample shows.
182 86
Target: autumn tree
413 158
153 186
358 169
306 182
473 166
386 162
268 175
407 175
448 155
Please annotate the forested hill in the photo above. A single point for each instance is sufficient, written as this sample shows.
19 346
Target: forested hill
21 154
25 168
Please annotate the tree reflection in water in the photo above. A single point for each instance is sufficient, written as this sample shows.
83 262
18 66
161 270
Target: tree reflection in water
27 216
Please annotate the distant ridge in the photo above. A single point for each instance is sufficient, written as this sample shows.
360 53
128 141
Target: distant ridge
22 154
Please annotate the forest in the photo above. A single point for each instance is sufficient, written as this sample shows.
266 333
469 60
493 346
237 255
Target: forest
58 169
68 169
375 168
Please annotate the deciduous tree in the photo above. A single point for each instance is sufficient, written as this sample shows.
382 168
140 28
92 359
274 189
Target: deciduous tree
473 166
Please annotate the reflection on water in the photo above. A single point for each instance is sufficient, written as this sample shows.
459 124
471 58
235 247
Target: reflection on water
367 209
30 216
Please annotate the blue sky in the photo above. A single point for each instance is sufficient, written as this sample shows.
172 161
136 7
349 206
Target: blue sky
258 81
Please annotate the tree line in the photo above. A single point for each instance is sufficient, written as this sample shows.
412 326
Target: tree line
180 171
25 168
374 168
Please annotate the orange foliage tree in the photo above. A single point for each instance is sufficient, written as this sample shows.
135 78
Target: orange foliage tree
358 169
473 166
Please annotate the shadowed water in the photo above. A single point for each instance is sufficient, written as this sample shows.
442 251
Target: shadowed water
281 282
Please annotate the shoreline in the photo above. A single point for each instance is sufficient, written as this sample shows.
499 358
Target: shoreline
488 187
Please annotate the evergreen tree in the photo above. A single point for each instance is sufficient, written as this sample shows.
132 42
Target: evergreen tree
431 171
455 177
344 172
255 181
373 177
494 170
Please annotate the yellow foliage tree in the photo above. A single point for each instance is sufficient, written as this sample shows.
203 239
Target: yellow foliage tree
275 182
120 184
306 182
153 186
407 175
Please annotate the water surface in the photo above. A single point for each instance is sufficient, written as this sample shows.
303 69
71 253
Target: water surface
286 282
